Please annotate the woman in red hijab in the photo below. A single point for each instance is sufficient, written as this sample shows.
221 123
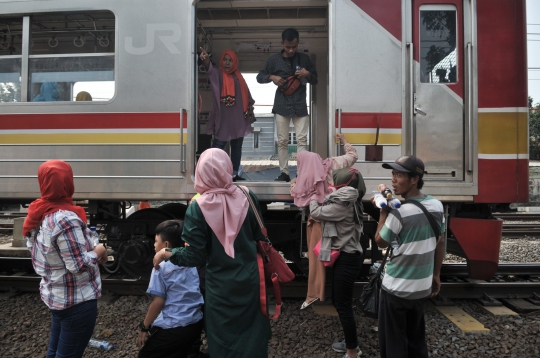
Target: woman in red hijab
65 257
232 106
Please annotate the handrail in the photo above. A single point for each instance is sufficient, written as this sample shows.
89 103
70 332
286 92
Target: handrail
182 146
410 46
470 106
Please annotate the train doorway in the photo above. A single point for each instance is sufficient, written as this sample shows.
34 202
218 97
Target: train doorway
253 30
438 105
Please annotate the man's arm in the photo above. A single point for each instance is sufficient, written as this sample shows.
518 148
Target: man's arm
266 75
439 253
153 311
378 239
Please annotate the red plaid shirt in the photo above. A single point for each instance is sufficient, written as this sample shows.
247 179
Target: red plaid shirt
62 255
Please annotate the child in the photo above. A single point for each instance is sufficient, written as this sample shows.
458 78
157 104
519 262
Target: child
174 319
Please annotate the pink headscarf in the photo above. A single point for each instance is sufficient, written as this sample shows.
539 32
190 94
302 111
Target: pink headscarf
311 180
223 205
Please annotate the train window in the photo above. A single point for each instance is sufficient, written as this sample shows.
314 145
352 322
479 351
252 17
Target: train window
43 56
69 48
10 59
438 38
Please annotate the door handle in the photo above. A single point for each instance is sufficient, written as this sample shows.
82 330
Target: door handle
418 110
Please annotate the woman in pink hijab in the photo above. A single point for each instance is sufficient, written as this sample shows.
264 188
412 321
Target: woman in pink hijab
314 176
220 228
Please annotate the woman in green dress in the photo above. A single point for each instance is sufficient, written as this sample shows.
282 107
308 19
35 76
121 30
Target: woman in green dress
220 228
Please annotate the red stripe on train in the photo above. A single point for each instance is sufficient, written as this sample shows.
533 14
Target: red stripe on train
503 181
90 121
369 120
386 12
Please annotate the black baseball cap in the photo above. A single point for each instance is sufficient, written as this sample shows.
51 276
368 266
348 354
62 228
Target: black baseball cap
407 164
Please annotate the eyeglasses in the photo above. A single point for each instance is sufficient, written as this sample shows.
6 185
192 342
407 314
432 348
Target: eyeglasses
399 175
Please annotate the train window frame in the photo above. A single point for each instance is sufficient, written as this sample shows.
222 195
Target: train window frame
60 70
8 43
421 60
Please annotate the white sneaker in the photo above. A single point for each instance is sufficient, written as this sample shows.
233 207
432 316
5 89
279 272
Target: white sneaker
358 355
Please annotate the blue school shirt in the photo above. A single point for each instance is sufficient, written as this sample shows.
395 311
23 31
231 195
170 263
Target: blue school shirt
179 286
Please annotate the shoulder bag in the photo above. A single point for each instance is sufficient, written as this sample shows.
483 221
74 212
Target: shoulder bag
369 299
292 83
273 269
431 219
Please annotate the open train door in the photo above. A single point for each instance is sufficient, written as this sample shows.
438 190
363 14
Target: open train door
439 99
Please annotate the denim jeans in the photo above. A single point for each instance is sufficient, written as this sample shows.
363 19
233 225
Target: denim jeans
236 151
71 330
346 269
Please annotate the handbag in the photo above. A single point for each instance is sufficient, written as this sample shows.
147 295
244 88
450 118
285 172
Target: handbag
369 299
334 254
292 83
273 269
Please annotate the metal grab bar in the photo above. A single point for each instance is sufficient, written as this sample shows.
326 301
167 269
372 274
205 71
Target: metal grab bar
182 145
339 110
410 47
469 106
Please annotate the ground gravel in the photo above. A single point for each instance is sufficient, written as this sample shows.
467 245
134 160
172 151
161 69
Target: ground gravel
24 331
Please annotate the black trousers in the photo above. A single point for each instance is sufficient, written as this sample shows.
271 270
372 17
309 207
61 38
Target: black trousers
402 329
172 342
346 269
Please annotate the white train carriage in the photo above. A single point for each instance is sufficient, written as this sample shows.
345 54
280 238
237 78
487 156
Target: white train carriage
431 78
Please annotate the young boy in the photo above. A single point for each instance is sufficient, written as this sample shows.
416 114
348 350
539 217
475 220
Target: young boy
174 319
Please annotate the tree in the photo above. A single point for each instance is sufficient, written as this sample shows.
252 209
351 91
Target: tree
9 92
534 130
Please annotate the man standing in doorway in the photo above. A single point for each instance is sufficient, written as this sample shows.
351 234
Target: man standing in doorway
286 107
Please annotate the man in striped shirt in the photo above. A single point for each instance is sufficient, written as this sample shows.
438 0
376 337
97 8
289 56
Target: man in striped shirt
413 272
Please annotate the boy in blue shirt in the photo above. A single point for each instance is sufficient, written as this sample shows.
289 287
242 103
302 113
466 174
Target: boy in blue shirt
174 319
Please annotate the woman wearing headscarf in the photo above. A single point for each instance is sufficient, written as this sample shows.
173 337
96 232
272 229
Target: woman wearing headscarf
314 176
220 228
232 106
341 217
65 257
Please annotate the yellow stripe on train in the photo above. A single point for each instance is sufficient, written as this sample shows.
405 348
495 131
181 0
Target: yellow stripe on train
503 133
369 138
93 138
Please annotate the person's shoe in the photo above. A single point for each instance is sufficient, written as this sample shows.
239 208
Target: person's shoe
237 178
283 177
357 355
306 304
340 347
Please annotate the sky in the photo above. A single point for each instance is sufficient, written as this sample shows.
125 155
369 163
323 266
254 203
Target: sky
533 48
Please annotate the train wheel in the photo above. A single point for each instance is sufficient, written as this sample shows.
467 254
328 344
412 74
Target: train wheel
137 252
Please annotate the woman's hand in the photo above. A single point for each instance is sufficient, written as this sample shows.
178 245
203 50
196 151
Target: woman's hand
141 339
160 256
341 137
205 57
101 253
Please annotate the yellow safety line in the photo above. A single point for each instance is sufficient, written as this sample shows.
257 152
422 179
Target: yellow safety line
500 311
462 319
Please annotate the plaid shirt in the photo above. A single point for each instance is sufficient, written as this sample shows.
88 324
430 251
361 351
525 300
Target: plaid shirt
62 255
295 104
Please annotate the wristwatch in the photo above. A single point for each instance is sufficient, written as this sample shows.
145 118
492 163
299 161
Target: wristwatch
143 328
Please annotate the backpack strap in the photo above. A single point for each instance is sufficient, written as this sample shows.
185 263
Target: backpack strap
431 219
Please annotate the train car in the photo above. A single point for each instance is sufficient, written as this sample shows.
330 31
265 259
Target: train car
442 79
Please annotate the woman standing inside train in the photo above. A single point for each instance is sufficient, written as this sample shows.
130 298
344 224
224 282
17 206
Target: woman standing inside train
65 257
232 106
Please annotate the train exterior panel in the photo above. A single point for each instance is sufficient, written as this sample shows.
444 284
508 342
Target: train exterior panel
442 79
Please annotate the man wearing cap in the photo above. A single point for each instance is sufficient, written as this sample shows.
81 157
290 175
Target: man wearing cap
413 272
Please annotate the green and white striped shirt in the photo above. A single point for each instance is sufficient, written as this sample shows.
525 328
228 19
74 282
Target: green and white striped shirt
409 273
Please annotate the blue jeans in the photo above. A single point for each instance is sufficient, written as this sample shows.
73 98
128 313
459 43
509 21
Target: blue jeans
236 151
71 330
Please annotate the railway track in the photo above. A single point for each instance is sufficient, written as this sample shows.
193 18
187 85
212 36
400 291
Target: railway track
515 280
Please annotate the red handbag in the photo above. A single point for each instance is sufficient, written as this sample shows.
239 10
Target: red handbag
272 266
292 83
334 254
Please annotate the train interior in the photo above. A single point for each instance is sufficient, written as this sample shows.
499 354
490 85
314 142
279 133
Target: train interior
254 33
